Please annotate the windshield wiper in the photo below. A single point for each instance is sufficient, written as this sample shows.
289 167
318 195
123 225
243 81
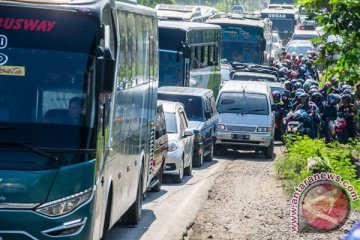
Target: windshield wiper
233 109
24 146
254 110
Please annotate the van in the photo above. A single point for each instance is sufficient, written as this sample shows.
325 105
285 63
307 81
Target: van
246 119
200 109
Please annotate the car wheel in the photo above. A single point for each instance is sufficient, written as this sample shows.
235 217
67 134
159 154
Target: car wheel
179 177
269 151
198 160
210 156
188 169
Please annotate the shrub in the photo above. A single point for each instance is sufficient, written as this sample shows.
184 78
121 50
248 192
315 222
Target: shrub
334 157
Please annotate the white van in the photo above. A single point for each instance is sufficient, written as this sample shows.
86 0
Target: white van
246 118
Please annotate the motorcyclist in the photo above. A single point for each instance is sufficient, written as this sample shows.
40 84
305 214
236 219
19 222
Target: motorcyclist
286 99
329 115
335 88
318 100
326 90
301 74
347 111
311 109
311 71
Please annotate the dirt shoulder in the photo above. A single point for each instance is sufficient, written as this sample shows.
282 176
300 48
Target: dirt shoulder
248 202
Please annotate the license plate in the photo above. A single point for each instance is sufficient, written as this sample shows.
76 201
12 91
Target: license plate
238 136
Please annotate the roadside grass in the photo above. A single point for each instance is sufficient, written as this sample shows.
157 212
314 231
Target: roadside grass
336 158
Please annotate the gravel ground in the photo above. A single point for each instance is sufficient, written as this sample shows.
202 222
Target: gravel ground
248 202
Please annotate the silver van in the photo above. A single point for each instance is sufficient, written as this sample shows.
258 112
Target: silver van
246 118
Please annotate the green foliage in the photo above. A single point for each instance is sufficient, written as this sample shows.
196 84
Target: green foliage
341 18
334 157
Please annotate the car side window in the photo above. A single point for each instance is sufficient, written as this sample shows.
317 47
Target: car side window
183 120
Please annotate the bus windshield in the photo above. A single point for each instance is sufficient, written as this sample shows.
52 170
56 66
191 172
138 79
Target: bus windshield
46 86
243 44
171 71
283 25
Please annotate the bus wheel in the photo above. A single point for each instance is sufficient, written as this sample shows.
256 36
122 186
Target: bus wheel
133 214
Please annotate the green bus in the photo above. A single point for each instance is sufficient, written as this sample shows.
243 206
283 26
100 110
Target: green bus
189 55
243 40
78 91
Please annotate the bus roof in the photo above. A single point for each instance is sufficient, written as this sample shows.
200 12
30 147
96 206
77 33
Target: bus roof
279 10
237 21
186 26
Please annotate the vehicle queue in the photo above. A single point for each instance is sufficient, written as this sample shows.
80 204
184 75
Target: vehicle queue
129 133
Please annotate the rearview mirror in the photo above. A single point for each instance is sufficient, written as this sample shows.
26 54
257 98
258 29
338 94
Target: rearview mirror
188 132
207 115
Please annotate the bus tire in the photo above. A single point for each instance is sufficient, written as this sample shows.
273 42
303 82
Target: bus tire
133 214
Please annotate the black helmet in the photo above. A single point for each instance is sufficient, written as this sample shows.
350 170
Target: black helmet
304 96
286 95
346 98
346 91
317 98
334 81
312 91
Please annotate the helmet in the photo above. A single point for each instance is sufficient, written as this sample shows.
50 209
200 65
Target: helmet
302 70
317 98
300 55
346 91
300 90
293 74
346 86
304 96
288 56
327 85
334 81
286 94
287 84
282 79
312 91
276 96
304 60
309 63
332 99
346 98
297 85
307 86
293 54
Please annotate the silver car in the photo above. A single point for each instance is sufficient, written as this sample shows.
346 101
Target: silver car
181 141
246 117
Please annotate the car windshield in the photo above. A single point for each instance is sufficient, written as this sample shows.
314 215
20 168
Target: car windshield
170 119
299 49
243 103
193 105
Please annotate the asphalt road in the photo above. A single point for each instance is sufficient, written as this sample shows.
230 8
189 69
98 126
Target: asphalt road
167 214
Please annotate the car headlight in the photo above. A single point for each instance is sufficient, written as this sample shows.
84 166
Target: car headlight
64 205
264 129
221 127
172 146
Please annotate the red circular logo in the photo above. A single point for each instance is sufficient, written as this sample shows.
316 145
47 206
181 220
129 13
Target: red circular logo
325 206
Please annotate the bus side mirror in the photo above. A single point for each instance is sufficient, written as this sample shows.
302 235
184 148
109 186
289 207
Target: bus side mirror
186 51
105 64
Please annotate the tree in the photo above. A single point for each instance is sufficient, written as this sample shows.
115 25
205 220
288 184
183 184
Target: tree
340 18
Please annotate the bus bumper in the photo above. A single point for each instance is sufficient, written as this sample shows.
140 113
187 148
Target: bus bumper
28 224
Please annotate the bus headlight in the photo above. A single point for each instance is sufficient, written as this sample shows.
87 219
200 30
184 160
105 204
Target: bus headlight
64 205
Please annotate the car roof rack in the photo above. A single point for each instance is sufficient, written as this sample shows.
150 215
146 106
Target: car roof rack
248 67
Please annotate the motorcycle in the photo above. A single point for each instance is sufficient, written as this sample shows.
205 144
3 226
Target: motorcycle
298 123
279 125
